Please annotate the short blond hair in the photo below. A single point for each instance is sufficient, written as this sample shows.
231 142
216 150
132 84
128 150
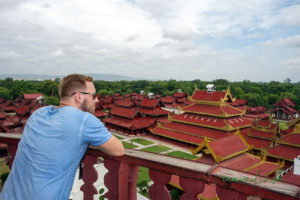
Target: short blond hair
71 83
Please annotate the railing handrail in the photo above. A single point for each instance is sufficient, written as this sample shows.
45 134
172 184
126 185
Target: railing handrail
183 168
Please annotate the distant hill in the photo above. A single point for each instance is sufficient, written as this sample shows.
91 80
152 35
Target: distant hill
106 77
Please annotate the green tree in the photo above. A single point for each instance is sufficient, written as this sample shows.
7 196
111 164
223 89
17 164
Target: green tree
104 92
16 91
52 100
238 92
287 80
221 82
49 88
4 93
254 99
256 90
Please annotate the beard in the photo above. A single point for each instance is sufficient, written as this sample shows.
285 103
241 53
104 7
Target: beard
87 108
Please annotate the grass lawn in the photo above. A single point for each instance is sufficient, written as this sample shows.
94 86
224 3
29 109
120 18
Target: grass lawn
119 137
143 175
181 154
156 149
128 145
142 141
3 167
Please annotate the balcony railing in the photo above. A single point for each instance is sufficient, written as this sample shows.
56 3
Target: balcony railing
122 174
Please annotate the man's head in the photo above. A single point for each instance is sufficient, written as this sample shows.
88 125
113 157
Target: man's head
78 90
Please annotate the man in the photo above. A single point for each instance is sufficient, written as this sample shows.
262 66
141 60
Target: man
54 141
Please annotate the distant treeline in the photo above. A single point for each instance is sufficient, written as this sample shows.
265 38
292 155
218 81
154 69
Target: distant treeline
258 94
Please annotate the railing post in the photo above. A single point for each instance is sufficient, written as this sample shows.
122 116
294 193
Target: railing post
158 190
227 194
111 178
127 182
12 149
89 176
191 188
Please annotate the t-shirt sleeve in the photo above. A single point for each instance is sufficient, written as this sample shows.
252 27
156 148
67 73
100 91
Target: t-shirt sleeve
94 132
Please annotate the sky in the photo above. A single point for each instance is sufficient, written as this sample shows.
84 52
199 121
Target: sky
256 40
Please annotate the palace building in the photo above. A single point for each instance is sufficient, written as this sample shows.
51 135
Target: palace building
209 116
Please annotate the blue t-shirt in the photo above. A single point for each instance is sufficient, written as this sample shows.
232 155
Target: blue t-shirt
53 143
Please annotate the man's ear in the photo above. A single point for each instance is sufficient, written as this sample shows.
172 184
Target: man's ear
78 97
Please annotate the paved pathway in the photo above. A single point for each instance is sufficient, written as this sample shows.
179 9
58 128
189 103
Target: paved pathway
155 141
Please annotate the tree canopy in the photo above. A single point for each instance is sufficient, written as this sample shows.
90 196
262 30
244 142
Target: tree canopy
258 94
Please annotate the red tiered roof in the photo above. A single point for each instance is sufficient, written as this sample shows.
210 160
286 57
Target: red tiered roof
2 115
31 96
251 164
139 97
196 130
241 162
238 122
9 108
168 100
214 110
239 102
265 123
172 134
149 103
124 112
228 146
7 123
264 169
108 100
153 112
284 152
124 103
2 100
261 134
259 143
216 96
133 124
257 116
285 101
212 122
208 96
179 95
188 102
22 110
291 178
285 105
117 95
293 138
180 100
100 114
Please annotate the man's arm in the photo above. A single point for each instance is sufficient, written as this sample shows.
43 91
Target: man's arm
113 147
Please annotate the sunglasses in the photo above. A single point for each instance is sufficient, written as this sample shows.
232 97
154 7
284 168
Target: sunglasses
93 95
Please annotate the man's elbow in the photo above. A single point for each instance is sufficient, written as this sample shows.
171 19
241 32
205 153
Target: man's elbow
118 152
113 147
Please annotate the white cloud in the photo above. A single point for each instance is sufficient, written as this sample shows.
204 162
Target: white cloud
292 41
6 56
205 39
290 16
56 53
292 62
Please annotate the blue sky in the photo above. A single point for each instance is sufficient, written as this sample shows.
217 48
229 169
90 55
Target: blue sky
257 40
